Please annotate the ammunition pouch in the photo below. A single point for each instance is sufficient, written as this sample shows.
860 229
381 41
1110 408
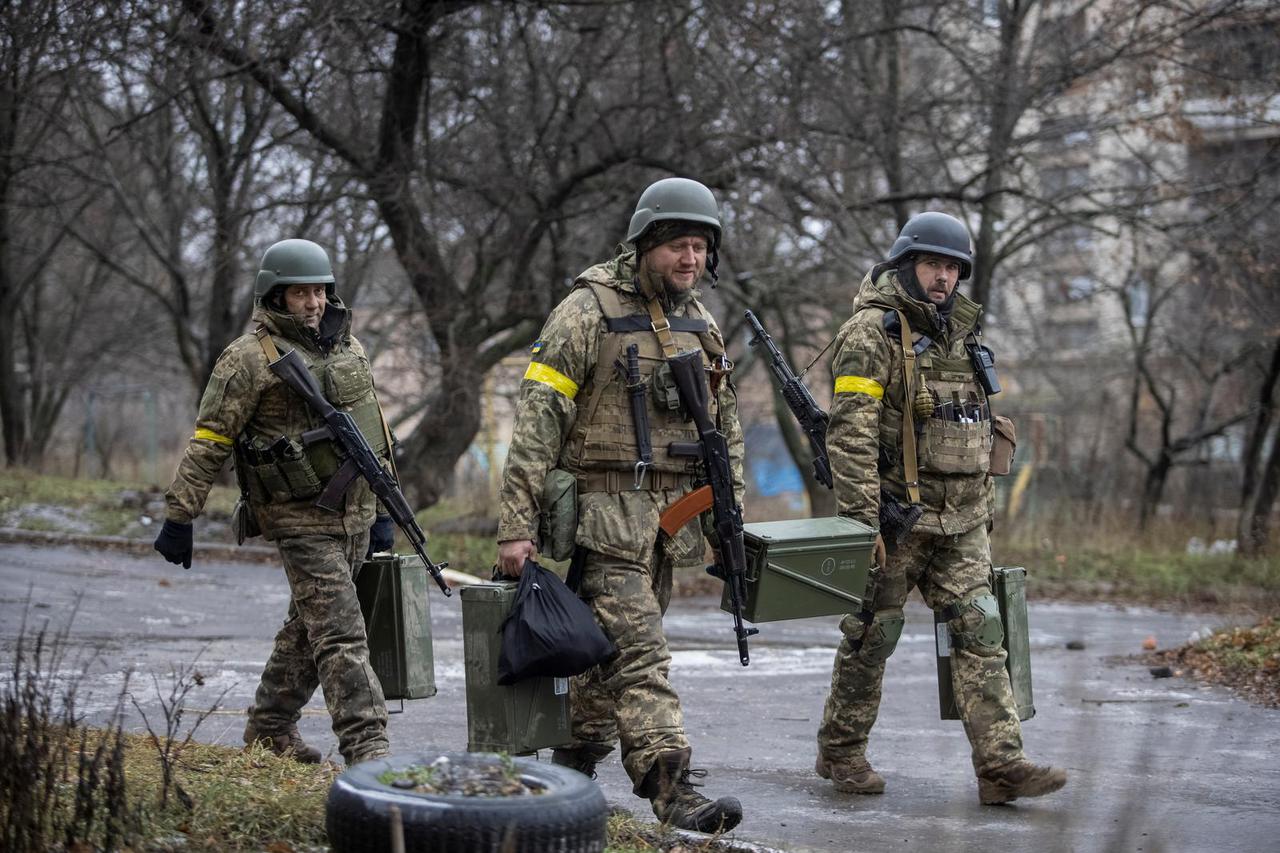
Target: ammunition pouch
1004 441
558 516
282 470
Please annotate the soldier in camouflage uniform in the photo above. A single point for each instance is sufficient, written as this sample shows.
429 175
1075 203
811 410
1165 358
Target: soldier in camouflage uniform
947 554
574 414
248 411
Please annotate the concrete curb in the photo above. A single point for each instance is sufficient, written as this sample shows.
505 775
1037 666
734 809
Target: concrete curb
144 547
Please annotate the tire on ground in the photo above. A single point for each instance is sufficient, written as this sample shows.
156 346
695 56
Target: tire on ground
568 817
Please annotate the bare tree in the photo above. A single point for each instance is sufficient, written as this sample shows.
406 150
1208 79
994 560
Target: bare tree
487 174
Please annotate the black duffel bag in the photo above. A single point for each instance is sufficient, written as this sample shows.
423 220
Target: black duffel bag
549 631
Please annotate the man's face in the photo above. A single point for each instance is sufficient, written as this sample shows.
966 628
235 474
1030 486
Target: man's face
680 262
306 302
937 275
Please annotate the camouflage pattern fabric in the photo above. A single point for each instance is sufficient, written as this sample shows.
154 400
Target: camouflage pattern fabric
323 641
946 569
622 524
628 571
629 699
867 412
323 644
244 397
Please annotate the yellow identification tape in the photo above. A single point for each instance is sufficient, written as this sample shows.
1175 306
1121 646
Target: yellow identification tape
539 372
859 385
210 435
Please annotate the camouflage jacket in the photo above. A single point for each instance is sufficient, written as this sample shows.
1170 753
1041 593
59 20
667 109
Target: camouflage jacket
864 437
245 400
623 522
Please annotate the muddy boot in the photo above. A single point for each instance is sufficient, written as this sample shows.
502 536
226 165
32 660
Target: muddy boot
582 758
289 745
851 775
1019 779
675 801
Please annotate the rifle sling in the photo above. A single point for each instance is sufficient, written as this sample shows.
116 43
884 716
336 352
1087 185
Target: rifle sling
910 471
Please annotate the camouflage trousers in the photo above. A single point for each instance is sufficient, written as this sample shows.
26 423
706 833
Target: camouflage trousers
946 569
322 644
628 699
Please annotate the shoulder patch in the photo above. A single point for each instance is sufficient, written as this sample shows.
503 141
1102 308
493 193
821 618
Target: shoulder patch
537 347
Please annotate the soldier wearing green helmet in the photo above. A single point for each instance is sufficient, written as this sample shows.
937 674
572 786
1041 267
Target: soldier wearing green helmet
598 362
911 422
249 413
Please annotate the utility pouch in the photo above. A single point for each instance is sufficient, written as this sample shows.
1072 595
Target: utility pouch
948 447
1004 441
558 518
243 521
665 394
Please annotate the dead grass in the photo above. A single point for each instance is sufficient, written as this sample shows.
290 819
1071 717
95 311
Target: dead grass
1245 660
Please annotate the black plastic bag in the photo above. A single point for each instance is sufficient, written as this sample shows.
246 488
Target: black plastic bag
549 631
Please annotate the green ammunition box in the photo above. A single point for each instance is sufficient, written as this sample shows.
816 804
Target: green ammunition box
396 605
519 718
805 567
1009 585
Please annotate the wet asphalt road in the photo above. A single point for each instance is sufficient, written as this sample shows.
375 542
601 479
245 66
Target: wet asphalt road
1155 765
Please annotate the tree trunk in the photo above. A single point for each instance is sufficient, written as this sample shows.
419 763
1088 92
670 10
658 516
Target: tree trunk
1153 488
1261 476
450 420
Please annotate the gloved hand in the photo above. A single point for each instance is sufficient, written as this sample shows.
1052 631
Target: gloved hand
382 536
175 543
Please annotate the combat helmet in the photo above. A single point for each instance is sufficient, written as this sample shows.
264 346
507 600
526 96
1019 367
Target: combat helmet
938 234
679 199
293 262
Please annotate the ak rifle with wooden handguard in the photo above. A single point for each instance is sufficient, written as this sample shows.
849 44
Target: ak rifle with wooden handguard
359 459
691 382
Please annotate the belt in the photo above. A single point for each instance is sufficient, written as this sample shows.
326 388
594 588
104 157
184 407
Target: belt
625 481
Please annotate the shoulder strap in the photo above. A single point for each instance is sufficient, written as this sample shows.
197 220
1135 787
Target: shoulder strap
610 349
268 345
909 465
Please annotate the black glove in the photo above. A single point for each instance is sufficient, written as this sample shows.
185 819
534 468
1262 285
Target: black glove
175 543
382 536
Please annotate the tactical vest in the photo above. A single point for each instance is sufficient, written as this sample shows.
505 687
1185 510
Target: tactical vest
954 426
299 470
602 441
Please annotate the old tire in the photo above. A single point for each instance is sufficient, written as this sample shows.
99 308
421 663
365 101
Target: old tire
568 817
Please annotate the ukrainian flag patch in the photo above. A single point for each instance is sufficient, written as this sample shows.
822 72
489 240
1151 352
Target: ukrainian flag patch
537 347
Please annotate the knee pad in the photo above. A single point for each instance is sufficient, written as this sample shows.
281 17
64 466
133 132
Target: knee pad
977 626
881 637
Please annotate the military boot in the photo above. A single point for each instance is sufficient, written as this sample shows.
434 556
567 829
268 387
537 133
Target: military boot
582 758
675 801
1018 779
288 745
851 775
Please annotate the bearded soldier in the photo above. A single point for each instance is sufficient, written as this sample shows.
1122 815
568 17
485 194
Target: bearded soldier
248 411
602 348
908 396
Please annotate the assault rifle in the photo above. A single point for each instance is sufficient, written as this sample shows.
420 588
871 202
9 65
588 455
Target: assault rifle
896 518
691 383
812 420
360 460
